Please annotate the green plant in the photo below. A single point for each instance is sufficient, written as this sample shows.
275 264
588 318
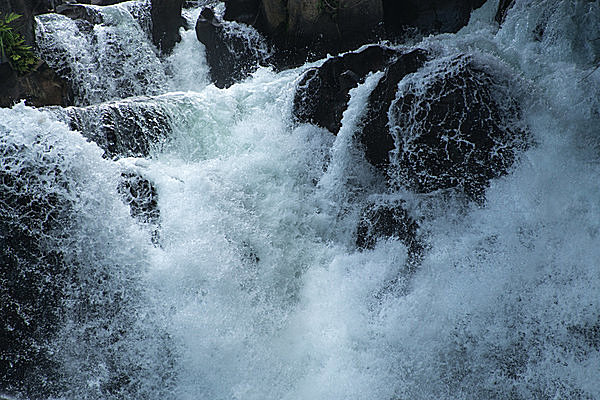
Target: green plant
13 48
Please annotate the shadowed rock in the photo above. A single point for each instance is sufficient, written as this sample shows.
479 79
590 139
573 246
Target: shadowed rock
427 16
166 21
311 29
503 8
375 136
80 12
26 9
230 56
323 92
389 220
301 30
41 87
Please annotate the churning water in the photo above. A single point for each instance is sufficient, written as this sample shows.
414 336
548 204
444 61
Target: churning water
249 285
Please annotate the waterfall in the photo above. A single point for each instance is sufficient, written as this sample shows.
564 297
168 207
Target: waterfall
240 276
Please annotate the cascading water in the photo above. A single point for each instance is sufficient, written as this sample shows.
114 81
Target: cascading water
248 285
107 56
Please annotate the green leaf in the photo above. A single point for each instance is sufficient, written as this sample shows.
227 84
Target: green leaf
13 46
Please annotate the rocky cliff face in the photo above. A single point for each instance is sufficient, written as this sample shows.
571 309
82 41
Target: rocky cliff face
309 29
41 87
166 21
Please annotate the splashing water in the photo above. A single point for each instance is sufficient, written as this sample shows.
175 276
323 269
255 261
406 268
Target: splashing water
255 289
107 58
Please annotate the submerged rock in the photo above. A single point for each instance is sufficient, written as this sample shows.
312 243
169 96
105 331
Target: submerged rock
121 129
141 197
41 87
455 125
389 220
33 273
80 12
71 300
140 194
323 92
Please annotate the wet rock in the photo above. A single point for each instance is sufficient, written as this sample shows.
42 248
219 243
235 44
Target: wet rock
427 16
230 57
32 271
301 29
141 197
323 92
389 220
323 27
67 304
80 12
41 87
503 8
375 137
456 125
166 21
140 194
121 129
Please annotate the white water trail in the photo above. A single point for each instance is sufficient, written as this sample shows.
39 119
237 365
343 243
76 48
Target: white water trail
106 60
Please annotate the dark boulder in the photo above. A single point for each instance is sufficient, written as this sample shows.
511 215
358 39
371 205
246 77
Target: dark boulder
427 16
140 194
166 21
319 27
103 2
455 125
389 220
230 57
322 94
121 129
41 87
375 137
